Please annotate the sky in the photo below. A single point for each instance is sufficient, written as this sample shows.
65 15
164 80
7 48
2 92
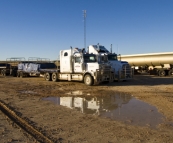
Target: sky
41 28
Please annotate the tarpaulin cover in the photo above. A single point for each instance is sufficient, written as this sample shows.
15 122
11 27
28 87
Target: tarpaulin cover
28 67
35 67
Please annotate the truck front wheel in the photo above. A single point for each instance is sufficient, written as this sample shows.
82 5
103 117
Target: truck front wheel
88 80
47 76
54 77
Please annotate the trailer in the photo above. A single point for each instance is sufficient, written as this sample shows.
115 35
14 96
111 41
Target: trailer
34 67
77 65
9 67
160 64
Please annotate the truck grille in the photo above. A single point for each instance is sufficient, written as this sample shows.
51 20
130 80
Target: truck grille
126 68
105 72
127 71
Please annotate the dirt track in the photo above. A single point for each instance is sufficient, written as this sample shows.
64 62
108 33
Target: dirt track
61 124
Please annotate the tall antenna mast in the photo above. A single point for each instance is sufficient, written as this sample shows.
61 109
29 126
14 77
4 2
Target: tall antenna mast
84 15
117 49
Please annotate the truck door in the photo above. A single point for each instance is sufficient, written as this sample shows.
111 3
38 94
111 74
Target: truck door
65 61
78 64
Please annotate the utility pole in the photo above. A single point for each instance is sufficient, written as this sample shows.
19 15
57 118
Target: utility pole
84 15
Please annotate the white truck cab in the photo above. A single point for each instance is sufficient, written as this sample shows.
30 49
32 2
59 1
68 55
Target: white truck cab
122 69
76 64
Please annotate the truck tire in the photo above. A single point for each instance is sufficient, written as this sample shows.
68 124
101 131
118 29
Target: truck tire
3 72
47 76
21 74
170 73
54 77
88 80
18 74
13 73
162 73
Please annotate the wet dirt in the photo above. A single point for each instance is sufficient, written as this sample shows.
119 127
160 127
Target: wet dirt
121 113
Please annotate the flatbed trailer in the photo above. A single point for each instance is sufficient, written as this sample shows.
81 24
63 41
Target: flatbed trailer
35 67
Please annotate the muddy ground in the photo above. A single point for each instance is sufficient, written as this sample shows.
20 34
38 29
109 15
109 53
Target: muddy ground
25 96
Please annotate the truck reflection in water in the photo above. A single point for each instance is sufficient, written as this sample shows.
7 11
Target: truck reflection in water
120 107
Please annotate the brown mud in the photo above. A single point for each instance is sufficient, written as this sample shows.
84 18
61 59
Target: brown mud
24 97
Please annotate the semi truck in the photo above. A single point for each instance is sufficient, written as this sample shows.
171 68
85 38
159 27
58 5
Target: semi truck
77 65
122 69
160 64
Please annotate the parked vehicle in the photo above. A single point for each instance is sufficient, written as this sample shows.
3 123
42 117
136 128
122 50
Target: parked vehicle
77 65
34 67
9 67
160 64
122 69
4 69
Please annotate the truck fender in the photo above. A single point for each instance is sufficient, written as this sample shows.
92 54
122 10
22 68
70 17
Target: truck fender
89 74
88 79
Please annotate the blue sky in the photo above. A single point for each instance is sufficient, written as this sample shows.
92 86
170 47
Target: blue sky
41 28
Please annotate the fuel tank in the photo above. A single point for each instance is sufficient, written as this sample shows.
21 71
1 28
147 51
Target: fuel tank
150 59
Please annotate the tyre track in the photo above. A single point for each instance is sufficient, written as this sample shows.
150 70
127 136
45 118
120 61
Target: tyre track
40 137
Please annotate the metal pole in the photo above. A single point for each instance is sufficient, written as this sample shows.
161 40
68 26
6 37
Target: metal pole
84 14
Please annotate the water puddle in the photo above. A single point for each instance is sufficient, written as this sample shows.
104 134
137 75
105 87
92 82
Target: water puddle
120 107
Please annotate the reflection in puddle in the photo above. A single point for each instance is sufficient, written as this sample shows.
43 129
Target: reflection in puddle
117 107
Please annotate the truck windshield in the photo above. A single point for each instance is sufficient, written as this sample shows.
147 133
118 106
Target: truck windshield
112 57
101 48
89 58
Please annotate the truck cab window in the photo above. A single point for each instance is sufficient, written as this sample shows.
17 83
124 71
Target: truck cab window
112 57
65 54
77 59
89 59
